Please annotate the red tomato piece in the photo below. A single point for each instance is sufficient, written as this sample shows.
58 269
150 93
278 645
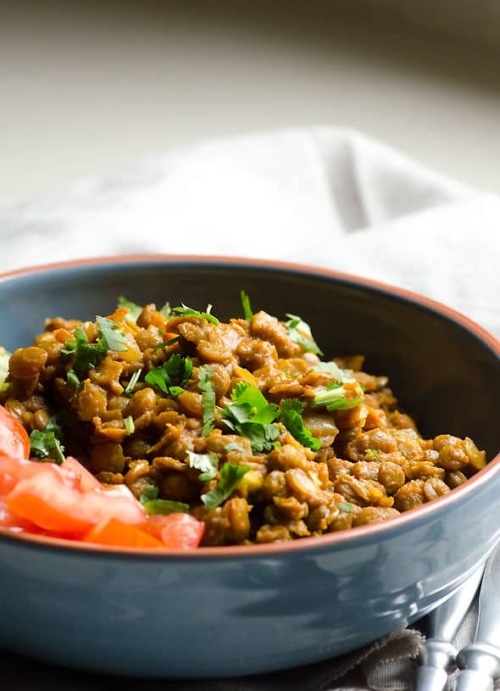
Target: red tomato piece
15 523
53 499
115 533
14 439
87 480
12 470
176 530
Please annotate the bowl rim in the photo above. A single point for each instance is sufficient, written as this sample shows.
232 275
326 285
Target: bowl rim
305 544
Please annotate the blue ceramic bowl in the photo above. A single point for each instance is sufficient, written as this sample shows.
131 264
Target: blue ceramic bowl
227 611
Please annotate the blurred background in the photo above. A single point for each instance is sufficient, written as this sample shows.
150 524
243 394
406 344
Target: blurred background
87 87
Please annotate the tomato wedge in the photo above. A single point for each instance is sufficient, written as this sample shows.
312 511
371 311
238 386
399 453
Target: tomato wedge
14 440
116 533
176 530
52 498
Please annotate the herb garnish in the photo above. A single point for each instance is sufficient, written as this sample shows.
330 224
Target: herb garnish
291 417
334 398
129 425
88 355
185 311
300 333
134 308
208 399
333 369
251 416
345 506
247 308
207 463
47 443
171 375
129 389
230 476
153 505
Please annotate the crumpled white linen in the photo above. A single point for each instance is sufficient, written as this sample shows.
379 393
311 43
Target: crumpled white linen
326 196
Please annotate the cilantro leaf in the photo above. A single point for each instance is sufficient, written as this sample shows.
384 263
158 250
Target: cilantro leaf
134 308
291 417
170 376
185 311
47 443
300 333
85 354
250 415
333 369
207 463
334 398
88 355
247 308
115 339
153 505
230 476
166 310
208 399
129 389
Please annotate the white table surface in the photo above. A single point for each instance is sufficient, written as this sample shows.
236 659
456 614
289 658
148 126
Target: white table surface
86 87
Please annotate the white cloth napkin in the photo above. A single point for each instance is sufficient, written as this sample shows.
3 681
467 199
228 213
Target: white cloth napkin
320 195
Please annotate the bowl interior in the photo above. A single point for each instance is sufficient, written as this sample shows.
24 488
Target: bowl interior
443 373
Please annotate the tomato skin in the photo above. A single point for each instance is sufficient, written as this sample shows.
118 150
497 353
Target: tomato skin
15 523
68 501
14 439
115 533
176 530
87 480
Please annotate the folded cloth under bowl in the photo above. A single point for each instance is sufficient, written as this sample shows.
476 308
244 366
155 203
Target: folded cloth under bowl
321 195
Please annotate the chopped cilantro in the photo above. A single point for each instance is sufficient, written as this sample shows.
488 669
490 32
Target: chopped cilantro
300 332
233 446
129 389
134 308
291 417
371 454
165 344
334 398
185 311
207 463
170 376
114 338
345 506
166 310
47 443
230 476
153 505
208 399
333 369
251 416
87 355
247 308
129 424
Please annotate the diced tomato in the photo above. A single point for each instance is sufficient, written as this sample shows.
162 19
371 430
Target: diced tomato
119 534
53 499
15 523
176 530
12 470
87 480
14 440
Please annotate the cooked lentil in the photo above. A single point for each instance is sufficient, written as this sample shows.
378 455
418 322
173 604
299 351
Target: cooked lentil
242 421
